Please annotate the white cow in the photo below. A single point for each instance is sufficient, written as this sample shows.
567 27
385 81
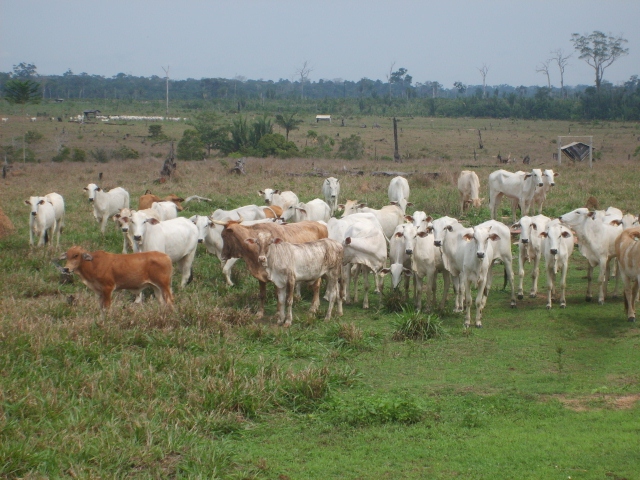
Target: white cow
42 220
331 192
530 250
165 210
427 261
558 246
401 246
476 269
540 195
448 236
389 216
596 242
287 263
399 193
122 220
247 212
469 188
365 245
628 253
276 197
178 238
106 204
420 219
520 186
315 210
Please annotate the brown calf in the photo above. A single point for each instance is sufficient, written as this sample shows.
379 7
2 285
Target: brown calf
273 211
148 199
105 272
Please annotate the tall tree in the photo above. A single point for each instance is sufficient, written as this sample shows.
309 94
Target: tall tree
25 70
303 72
483 72
288 122
544 68
599 51
22 92
562 61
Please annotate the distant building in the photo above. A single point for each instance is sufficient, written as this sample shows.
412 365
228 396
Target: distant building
323 117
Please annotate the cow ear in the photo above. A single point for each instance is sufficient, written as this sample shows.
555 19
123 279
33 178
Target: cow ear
592 214
251 241
362 205
125 219
407 271
117 215
409 204
556 174
535 227
260 192
516 225
449 228
495 237
340 207
85 189
347 241
41 202
408 218
615 223
393 203
468 236
398 234
384 271
98 189
63 256
543 234
528 175
87 257
565 234
422 234
152 221
429 219
277 191
277 240
27 202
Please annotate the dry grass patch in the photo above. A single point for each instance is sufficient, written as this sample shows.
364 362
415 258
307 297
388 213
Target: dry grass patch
598 402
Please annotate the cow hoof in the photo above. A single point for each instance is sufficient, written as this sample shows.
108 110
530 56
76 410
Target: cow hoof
520 297
549 307
513 304
563 305
631 319
600 302
532 295
479 326
588 298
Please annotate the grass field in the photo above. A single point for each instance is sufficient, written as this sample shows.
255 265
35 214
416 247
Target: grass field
208 391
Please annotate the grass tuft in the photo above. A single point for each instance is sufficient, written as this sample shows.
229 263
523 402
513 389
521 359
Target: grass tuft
412 325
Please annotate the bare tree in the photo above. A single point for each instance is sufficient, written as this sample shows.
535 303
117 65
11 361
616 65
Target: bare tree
483 71
390 76
303 72
562 61
544 68
166 71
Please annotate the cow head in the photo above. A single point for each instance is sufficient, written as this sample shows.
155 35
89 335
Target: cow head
138 225
267 195
262 242
74 258
397 271
554 234
481 236
202 223
34 203
91 190
331 188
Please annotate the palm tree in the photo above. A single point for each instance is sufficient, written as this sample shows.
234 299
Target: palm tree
288 123
22 92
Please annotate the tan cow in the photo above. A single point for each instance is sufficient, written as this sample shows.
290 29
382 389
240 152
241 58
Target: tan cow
273 211
469 187
105 272
148 199
628 253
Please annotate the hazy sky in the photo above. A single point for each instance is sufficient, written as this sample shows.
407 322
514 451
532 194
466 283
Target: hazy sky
447 40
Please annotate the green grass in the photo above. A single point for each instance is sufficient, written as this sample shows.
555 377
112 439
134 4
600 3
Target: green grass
208 391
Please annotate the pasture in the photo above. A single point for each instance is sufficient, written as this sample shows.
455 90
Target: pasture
208 391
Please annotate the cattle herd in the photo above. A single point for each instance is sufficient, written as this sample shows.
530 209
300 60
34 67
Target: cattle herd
286 242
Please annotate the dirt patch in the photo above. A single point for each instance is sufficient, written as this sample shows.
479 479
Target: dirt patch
598 402
6 227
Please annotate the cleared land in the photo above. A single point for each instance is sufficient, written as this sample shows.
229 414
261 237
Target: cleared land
208 391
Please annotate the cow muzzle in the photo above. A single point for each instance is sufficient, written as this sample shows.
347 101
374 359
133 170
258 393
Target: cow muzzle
263 260
125 230
90 200
437 243
554 251
408 251
201 240
524 240
480 254
33 214
137 238
541 184
66 270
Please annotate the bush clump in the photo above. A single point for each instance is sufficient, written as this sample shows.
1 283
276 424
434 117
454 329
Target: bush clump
412 325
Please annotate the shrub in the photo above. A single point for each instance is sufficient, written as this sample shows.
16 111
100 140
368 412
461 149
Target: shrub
351 148
275 144
378 410
190 146
417 326
155 131
100 155
32 137
125 153
78 155
63 154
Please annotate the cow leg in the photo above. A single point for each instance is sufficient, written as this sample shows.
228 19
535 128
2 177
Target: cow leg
481 298
346 279
417 291
616 271
290 288
124 242
281 294
263 298
332 292
589 279
551 280
447 281
534 276
563 284
458 292
315 303
105 296
140 297
602 277
365 281
226 270
355 272
521 259
467 314
630 295
103 224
